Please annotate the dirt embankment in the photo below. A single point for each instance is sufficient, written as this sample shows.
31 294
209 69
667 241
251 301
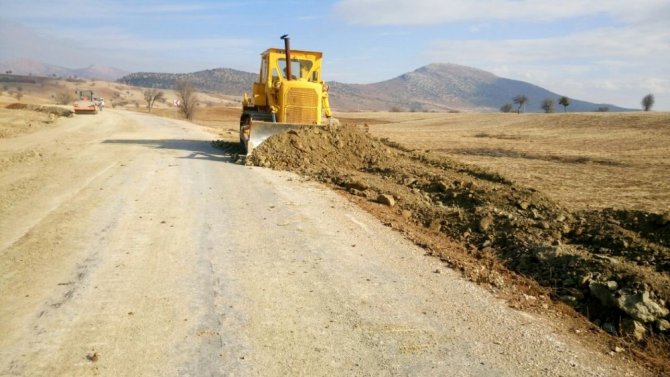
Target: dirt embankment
612 266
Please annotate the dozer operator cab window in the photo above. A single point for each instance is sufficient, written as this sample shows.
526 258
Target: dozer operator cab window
299 69
264 72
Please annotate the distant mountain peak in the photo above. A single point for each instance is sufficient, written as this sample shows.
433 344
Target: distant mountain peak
445 87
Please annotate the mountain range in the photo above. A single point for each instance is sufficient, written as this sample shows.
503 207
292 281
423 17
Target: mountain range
447 87
35 68
435 87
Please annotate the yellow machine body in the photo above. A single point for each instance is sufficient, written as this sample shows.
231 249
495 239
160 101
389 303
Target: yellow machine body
280 103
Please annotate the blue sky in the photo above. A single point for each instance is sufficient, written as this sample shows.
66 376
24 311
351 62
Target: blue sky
612 51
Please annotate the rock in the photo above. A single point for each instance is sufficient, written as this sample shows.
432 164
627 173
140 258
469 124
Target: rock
443 186
485 223
548 252
408 181
406 214
639 306
662 325
386 200
603 291
371 194
570 300
356 192
585 279
536 215
607 326
633 328
92 357
523 205
358 185
618 349
606 258
435 225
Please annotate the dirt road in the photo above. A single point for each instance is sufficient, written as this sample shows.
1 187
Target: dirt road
130 247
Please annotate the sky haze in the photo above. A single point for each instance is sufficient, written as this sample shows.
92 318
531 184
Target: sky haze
604 51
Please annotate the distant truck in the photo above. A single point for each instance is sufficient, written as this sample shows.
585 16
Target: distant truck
85 103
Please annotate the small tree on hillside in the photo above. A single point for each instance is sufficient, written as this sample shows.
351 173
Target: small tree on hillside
548 105
521 101
648 102
18 96
188 101
506 108
565 102
64 98
151 96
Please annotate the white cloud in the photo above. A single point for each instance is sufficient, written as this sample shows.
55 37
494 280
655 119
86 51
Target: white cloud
606 64
423 12
114 47
101 9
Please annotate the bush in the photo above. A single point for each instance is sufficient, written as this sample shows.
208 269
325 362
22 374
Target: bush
63 98
506 108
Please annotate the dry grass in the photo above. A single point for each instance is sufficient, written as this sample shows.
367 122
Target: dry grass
585 160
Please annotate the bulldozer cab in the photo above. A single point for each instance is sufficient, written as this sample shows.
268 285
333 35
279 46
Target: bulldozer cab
86 95
305 67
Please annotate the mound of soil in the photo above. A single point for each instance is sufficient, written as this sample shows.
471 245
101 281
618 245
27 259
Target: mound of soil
498 223
55 110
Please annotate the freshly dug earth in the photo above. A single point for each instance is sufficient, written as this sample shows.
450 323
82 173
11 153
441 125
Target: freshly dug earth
55 110
611 265
19 119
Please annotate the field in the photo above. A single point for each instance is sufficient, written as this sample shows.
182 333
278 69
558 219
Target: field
584 161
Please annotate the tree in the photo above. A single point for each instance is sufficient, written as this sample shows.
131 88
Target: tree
521 101
548 105
565 102
506 108
188 101
648 102
19 95
151 96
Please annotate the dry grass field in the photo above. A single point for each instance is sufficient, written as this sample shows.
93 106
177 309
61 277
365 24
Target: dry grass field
584 160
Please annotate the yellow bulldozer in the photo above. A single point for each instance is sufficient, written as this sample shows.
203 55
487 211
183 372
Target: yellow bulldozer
290 93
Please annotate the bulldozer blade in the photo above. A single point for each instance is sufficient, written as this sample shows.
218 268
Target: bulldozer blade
261 131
